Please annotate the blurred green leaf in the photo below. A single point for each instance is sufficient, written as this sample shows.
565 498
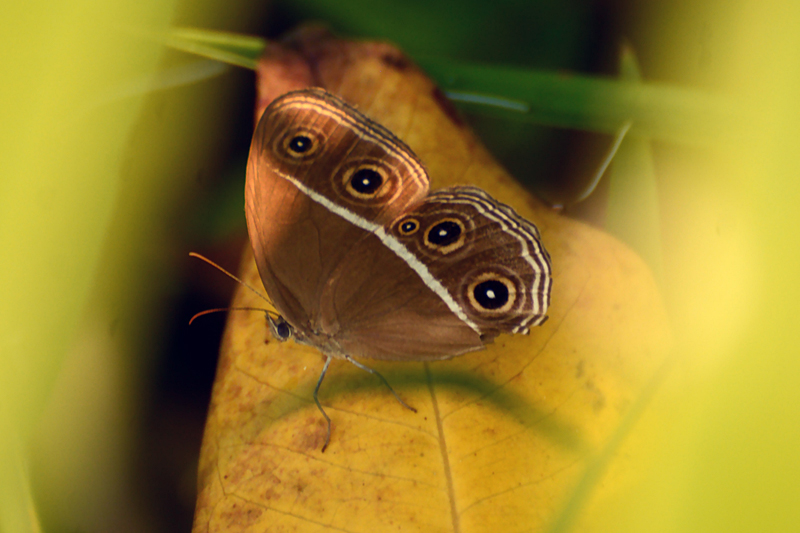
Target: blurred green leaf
567 101
232 48
593 104
633 214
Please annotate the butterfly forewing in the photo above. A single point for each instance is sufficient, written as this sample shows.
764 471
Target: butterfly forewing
320 175
334 154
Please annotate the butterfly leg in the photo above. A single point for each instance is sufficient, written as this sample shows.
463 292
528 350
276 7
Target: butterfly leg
375 373
319 405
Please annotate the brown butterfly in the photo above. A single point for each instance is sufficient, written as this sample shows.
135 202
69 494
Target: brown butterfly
362 261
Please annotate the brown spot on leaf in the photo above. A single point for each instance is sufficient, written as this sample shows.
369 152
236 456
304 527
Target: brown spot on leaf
599 401
239 516
311 436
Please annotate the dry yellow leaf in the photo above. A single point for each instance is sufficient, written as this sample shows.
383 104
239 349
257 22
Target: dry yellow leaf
501 437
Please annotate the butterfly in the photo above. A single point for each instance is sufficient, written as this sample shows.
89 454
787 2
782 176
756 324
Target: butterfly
361 260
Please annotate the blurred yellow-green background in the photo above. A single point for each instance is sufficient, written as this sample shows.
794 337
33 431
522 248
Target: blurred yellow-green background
118 157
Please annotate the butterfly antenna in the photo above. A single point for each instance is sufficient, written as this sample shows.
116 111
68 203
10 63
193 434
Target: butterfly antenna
319 405
212 263
223 309
376 373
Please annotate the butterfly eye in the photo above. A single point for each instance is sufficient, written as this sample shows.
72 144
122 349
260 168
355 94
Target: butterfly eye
408 227
284 331
492 293
280 329
446 235
300 144
365 181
